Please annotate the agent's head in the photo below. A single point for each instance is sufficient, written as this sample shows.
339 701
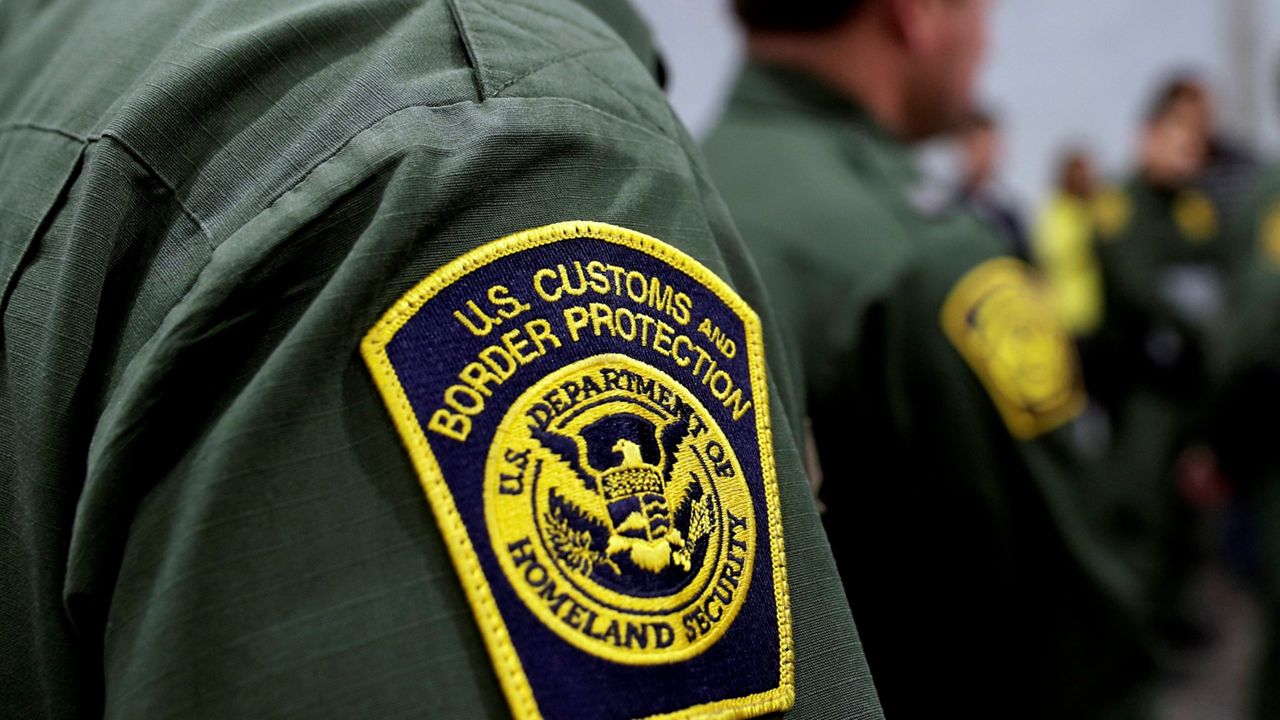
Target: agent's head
1187 96
1176 135
800 16
924 55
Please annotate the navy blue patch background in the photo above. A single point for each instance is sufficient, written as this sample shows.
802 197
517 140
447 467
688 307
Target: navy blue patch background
427 354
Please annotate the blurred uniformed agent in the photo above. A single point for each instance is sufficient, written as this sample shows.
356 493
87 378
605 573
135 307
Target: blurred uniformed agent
1247 391
1249 370
1164 260
1230 168
942 387
1157 234
325 391
1063 247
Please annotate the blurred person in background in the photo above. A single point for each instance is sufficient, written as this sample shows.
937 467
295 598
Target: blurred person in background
1154 235
1165 262
1063 247
981 145
1242 431
1229 168
943 389
1248 375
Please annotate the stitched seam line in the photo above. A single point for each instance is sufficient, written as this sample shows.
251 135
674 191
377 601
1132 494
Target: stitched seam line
569 58
134 154
182 204
473 59
374 124
551 64
532 10
343 145
37 127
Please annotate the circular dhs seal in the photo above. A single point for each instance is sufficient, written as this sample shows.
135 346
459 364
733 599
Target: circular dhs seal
619 513
1031 360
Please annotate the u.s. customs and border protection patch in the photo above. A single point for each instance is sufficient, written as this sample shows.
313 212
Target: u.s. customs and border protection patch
587 410
999 317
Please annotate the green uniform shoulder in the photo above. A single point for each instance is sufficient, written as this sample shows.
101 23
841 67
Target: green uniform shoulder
1137 210
1266 184
799 175
1258 225
564 50
228 212
794 197
809 176
1249 341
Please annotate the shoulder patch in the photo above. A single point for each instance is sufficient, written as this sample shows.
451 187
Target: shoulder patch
1112 212
587 411
1195 215
1269 234
999 317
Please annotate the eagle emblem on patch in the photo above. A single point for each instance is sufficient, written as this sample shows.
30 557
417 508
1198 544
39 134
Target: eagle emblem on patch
587 411
618 509
1000 319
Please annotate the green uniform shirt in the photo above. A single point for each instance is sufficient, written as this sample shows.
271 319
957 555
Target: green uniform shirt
938 383
204 208
1247 389
1254 281
1163 263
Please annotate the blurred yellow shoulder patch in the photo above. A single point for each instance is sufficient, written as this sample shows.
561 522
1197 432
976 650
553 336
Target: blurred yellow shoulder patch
1196 216
1269 236
1000 319
1112 212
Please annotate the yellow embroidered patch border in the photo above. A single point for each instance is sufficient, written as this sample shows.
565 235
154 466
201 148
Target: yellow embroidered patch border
587 410
999 317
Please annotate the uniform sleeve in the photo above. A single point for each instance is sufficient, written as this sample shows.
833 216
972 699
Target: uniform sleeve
995 566
253 538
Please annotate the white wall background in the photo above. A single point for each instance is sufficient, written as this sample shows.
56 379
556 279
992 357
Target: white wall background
1060 71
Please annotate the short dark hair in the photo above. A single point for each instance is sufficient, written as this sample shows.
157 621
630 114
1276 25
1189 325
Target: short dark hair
1176 89
794 15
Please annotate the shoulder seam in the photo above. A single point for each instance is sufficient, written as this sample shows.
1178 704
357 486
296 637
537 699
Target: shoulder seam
177 197
574 57
473 59
38 127
370 126
545 66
